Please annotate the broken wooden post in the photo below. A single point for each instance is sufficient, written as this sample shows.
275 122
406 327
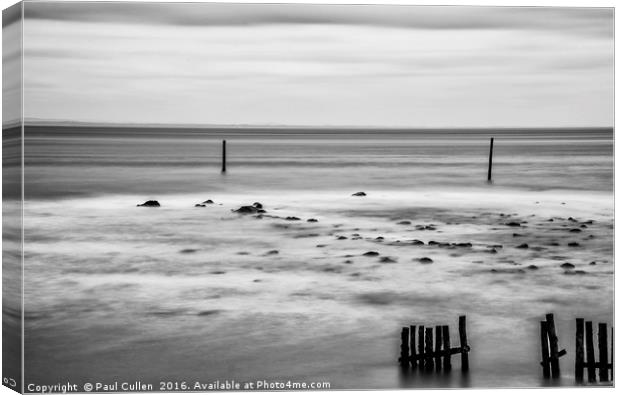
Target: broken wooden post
602 352
413 360
404 348
544 347
464 345
447 365
429 350
490 160
579 361
421 347
223 156
590 353
438 341
554 356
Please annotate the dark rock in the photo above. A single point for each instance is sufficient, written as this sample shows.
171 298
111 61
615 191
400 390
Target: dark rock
371 253
246 210
517 235
567 265
387 259
149 203
321 245
257 205
532 267
313 220
208 202
342 237
348 262
576 230
554 244
404 223
359 194
433 243
217 272
593 263
466 245
524 245
273 252
514 224
571 219
379 238
425 260
199 205
584 226
417 242
573 244
292 219
491 251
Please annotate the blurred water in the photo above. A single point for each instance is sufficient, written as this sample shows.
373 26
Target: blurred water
119 292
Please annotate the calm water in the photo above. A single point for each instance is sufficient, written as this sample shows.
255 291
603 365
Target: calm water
118 292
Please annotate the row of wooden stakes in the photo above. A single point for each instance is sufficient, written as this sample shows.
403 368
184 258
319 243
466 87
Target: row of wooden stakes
428 358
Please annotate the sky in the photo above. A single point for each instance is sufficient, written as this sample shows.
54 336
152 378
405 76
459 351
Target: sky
320 65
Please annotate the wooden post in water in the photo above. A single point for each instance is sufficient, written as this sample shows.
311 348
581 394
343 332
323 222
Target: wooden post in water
223 156
421 347
490 161
414 362
438 342
447 365
544 347
553 347
590 353
429 350
612 355
464 345
404 348
602 352
579 360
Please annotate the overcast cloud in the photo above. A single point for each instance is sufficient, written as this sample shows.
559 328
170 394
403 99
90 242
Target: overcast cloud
318 65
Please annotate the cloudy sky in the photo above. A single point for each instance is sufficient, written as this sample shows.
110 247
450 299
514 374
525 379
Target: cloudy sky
318 65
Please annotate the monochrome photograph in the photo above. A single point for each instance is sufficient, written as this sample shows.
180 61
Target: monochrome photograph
226 196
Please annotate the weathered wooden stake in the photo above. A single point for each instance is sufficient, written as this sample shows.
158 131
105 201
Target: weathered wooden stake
421 347
429 350
414 362
490 160
602 352
544 346
590 353
554 356
464 345
579 361
438 341
612 354
447 365
223 156
404 348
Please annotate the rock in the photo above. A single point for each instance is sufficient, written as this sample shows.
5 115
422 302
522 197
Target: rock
491 251
371 253
513 224
313 220
348 262
404 223
341 238
524 245
554 244
359 194
466 245
321 245
532 267
273 252
292 219
149 203
576 230
425 260
592 263
417 242
387 259
433 243
573 244
511 271
209 201
199 205
257 205
379 238
567 265
571 219
584 226
246 210
188 251
517 235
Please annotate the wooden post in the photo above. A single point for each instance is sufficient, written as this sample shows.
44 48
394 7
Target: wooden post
447 365
554 356
414 362
544 347
490 160
421 347
590 353
404 348
223 156
602 352
579 351
464 345
429 350
438 342
612 355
